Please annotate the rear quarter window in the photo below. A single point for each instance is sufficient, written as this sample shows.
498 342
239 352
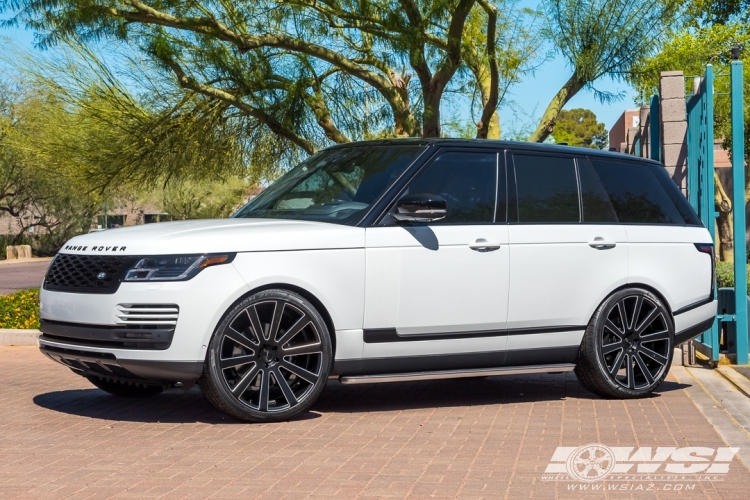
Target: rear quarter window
639 196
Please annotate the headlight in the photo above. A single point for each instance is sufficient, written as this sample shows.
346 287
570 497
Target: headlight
174 267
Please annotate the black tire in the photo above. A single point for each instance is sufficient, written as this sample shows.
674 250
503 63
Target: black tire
125 389
269 359
627 348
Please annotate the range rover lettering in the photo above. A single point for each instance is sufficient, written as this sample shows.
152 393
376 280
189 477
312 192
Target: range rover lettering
394 260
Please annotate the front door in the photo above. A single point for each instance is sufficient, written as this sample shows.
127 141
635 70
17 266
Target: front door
437 291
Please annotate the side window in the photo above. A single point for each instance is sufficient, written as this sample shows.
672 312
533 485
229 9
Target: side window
674 193
547 189
467 181
636 194
594 199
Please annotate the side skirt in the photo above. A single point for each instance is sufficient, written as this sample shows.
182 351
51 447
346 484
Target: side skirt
463 362
479 372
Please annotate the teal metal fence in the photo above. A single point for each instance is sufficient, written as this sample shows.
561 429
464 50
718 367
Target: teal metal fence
738 209
700 186
654 129
700 170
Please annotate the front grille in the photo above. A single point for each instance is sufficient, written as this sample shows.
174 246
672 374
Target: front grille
86 273
147 314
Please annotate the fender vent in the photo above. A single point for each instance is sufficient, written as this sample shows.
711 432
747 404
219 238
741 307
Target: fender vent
147 314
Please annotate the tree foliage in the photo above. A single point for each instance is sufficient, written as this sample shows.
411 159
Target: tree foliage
315 72
601 38
35 189
579 127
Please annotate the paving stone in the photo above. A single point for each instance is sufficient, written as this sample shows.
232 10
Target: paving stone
490 438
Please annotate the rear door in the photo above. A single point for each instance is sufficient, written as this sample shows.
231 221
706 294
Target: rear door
567 252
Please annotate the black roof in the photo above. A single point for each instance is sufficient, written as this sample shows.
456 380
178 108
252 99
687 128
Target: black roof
517 145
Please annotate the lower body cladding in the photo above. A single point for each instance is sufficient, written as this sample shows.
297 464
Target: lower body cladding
691 321
390 357
97 364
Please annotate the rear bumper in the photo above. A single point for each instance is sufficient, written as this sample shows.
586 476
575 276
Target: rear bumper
88 363
693 322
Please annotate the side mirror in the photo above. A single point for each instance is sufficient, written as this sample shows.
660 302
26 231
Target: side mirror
420 207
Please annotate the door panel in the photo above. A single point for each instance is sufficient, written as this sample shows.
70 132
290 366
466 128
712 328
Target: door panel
428 279
557 278
441 288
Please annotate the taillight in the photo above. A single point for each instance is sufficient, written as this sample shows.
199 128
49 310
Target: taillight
708 248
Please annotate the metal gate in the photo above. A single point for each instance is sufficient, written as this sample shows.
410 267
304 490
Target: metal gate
700 186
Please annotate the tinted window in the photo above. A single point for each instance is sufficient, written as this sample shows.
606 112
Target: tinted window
336 185
635 193
596 204
547 189
467 181
674 193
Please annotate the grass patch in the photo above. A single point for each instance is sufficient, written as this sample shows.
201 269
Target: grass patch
20 309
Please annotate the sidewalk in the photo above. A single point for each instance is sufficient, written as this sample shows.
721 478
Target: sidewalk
488 438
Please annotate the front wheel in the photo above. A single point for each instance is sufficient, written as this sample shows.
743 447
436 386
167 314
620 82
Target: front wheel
627 348
269 359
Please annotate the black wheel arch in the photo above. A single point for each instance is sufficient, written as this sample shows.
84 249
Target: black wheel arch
643 286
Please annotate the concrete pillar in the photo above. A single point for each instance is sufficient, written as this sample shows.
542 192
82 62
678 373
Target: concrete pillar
632 132
674 125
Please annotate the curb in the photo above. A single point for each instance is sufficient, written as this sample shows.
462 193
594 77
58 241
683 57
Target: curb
19 337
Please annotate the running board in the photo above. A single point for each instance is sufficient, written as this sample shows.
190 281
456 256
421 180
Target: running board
478 372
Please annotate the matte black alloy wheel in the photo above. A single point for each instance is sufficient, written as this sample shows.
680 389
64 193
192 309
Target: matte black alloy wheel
269 359
635 342
627 349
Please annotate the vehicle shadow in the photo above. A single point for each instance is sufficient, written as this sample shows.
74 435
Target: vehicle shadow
183 406
189 406
459 392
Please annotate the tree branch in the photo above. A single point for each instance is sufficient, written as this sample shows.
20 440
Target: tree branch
272 123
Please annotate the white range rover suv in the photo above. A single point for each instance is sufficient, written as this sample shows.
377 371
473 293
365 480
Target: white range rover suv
394 260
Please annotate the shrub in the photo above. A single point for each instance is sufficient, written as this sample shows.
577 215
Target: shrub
20 309
725 275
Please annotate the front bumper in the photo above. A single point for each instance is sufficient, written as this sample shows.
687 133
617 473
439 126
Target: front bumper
106 365
85 333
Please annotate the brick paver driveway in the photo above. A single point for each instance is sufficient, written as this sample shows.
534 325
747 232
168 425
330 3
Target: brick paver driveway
488 438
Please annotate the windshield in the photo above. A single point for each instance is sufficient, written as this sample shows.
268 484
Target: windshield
337 185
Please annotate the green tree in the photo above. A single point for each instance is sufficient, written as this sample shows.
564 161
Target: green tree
49 205
315 72
601 38
578 127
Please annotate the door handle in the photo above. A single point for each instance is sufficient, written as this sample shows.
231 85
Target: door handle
482 245
602 243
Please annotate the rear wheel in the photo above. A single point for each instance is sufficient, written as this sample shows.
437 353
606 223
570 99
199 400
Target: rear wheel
627 348
125 389
269 359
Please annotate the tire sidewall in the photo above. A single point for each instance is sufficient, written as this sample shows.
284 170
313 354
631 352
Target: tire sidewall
216 378
594 338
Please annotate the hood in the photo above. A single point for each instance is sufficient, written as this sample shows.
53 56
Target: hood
216 235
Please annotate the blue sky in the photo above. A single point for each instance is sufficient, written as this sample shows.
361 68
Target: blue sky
529 98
